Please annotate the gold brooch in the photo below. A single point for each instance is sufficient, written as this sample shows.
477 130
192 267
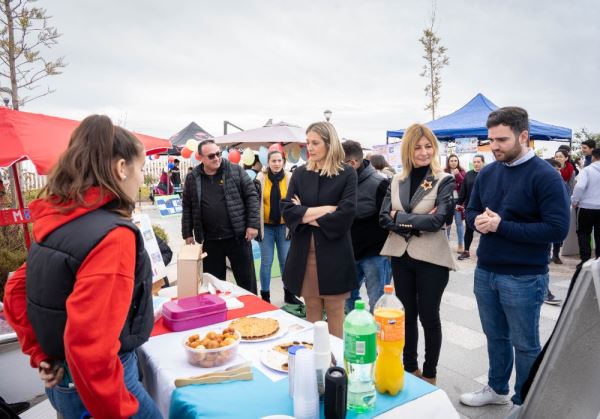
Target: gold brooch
426 185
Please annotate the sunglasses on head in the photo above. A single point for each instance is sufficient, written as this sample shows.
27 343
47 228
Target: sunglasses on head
213 156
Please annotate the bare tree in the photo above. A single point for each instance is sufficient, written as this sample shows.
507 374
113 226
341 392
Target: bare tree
435 59
24 32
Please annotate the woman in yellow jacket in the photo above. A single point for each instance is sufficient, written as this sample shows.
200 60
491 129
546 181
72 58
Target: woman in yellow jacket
274 184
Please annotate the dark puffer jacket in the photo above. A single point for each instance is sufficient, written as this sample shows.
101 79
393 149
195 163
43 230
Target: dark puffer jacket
240 195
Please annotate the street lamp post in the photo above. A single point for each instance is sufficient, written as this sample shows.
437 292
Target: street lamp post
327 114
6 93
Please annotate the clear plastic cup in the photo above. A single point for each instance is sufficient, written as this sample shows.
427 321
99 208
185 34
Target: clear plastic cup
306 396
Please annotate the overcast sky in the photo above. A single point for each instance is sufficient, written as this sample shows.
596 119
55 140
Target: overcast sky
155 66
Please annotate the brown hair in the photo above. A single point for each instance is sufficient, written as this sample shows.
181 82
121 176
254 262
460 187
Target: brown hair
378 161
275 152
94 147
459 167
410 139
335 153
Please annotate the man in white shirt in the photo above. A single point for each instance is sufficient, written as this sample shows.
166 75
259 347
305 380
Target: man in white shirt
586 199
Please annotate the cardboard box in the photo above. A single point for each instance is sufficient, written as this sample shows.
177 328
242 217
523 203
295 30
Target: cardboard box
189 270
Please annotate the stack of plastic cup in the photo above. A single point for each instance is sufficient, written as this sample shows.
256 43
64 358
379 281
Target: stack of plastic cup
322 353
306 396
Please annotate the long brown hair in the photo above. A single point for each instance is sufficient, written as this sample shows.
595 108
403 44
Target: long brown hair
94 147
334 159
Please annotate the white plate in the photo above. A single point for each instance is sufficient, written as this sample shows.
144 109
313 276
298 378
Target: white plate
282 331
274 360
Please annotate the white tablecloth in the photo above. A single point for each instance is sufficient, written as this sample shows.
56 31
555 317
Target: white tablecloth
163 359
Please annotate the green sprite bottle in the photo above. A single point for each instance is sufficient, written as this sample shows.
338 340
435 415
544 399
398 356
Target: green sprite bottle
360 352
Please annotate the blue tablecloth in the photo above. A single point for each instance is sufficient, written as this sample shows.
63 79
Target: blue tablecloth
262 397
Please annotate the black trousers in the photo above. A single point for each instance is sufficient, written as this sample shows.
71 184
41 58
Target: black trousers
556 249
239 252
419 286
588 220
468 237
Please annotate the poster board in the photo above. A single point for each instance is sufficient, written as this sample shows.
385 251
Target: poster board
392 154
566 384
159 270
466 145
168 205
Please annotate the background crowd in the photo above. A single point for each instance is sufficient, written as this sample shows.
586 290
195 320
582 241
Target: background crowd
337 222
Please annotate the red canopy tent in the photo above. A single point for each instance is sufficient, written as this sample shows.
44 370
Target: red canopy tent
42 139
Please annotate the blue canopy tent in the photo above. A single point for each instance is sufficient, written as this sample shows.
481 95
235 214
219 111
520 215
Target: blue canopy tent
469 121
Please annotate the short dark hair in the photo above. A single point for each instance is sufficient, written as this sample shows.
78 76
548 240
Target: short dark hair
590 143
596 154
353 150
378 161
514 117
203 143
480 156
554 163
565 147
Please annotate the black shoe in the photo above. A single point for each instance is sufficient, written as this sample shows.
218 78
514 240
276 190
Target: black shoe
19 408
557 260
266 296
552 300
290 298
464 255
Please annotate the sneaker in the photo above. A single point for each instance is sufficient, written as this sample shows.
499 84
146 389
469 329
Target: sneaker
552 300
464 255
557 260
460 249
483 397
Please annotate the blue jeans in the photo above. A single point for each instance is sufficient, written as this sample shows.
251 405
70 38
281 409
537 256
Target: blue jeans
273 235
376 271
460 228
509 309
67 402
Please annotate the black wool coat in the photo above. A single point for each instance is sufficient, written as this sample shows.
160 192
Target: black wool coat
336 269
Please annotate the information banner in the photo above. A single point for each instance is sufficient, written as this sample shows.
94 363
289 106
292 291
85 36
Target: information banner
159 271
466 145
168 205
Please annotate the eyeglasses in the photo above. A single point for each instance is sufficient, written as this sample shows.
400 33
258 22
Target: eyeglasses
213 156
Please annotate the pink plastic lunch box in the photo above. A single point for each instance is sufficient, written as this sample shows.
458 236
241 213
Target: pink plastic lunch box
192 312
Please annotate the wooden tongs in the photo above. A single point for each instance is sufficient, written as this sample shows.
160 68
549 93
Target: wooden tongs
235 373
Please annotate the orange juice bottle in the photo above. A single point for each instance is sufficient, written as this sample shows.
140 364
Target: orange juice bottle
389 316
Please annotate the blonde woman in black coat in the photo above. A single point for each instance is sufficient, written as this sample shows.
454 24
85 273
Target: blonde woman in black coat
319 209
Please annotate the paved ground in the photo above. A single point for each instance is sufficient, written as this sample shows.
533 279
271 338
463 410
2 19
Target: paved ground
463 363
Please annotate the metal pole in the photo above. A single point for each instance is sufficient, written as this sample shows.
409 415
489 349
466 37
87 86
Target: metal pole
21 204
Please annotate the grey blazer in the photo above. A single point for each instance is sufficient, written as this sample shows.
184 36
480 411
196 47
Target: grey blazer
414 229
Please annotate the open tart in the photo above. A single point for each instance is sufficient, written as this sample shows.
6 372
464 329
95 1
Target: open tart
254 328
